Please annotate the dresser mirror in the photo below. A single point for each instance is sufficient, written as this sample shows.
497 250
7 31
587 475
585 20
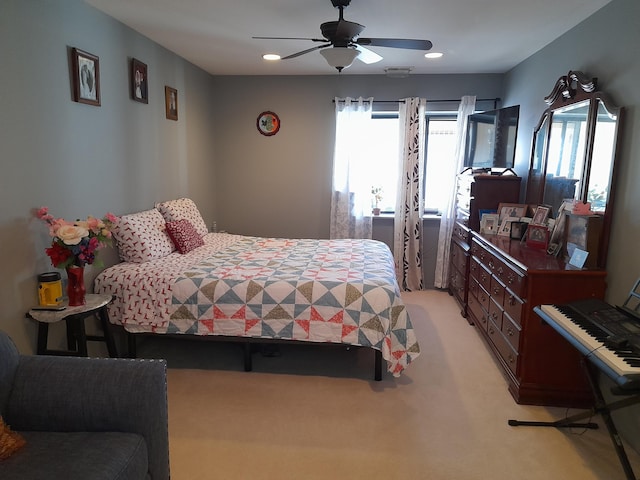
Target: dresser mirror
574 151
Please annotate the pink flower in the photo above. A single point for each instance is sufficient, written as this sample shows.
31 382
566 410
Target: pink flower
111 218
42 212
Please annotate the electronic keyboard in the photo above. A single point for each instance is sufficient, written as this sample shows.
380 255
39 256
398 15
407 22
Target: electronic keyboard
607 335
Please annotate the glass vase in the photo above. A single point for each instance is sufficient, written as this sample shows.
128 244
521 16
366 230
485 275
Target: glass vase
75 286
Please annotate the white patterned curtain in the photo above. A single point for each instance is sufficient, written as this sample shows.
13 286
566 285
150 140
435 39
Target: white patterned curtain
351 198
448 219
407 231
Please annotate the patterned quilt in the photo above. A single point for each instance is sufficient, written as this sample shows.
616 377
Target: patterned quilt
339 291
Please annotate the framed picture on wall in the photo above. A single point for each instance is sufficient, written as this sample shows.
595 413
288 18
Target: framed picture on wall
85 77
139 81
171 102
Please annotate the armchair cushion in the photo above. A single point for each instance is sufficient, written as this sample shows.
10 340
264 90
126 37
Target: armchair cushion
78 456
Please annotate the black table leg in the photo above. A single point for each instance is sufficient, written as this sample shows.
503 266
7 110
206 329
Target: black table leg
103 316
43 334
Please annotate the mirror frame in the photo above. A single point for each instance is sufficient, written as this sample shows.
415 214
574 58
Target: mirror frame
574 88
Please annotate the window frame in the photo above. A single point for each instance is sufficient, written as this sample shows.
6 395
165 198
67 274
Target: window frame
448 115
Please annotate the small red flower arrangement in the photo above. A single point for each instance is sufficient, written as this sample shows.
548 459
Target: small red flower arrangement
76 243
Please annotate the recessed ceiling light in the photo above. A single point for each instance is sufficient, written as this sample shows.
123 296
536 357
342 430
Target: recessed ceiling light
271 56
433 55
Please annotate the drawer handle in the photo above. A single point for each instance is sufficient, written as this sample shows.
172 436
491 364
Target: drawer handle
500 271
494 315
510 332
491 331
511 359
511 278
512 300
491 264
483 298
496 290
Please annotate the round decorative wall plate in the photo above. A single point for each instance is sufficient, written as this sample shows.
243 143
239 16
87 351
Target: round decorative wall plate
268 123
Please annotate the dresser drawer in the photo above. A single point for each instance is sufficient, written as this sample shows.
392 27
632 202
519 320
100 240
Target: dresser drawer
483 298
495 313
508 354
497 291
514 281
459 257
479 252
513 306
478 312
460 232
511 331
474 268
473 287
484 277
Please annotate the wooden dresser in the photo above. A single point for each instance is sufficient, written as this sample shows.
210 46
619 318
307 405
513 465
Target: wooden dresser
506 280
474 192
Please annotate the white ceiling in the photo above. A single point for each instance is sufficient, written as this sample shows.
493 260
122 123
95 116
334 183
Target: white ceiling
476 36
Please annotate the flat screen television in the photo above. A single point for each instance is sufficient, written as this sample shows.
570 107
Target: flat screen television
491 139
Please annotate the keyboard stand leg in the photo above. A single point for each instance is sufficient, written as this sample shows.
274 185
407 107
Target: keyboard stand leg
604 410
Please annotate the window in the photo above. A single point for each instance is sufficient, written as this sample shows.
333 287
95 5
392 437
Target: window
383 151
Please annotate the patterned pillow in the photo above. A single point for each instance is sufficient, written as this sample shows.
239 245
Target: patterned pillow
183 208
184 235
142 236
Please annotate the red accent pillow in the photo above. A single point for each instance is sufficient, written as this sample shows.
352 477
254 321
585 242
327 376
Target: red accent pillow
184 235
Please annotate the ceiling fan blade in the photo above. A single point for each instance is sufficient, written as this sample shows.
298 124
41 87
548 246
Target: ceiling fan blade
294 55
367 56
291 38
396 43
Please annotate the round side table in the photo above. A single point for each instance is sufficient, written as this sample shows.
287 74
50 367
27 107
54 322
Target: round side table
96 305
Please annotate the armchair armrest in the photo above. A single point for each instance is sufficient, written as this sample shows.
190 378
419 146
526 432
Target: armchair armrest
94 394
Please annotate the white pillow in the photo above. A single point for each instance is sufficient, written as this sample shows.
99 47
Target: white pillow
183 208
142 236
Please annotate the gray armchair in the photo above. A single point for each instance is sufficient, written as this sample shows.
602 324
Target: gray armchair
84 418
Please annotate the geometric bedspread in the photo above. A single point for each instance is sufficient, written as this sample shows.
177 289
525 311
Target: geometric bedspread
338 291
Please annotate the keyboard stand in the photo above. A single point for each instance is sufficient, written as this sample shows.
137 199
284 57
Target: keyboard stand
600 407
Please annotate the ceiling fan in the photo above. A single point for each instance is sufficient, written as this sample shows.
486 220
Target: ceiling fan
346 44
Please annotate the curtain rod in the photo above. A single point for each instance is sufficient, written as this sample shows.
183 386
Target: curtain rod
494 100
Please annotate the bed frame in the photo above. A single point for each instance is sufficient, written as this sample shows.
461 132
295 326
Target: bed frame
247 343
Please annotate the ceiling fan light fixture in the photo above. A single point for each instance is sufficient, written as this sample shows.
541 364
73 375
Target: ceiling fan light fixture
339 57
271 56
433 55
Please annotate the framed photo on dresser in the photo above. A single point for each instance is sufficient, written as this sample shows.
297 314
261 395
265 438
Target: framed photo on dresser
510 210
537 236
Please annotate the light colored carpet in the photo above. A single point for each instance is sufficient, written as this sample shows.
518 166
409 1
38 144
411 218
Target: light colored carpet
316 413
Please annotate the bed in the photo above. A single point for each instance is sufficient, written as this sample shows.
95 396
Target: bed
251 288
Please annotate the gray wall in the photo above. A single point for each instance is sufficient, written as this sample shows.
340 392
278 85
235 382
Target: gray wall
79 159
281 185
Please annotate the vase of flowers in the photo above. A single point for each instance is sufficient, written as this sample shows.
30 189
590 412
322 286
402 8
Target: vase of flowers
75 245
376 194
